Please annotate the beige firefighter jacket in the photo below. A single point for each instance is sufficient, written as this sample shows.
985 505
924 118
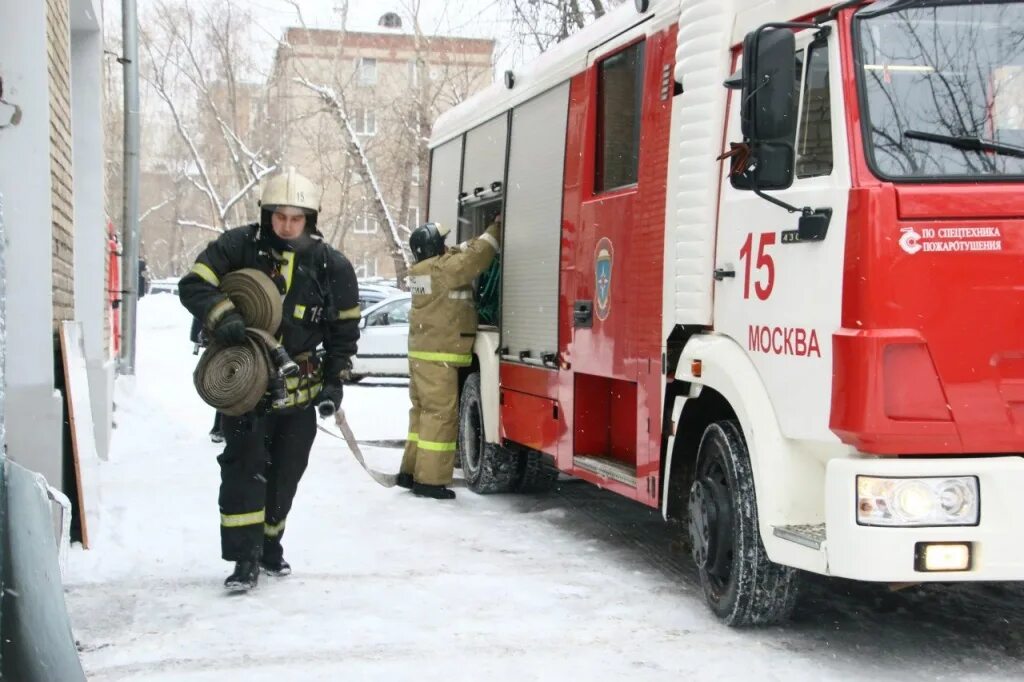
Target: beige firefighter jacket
443 320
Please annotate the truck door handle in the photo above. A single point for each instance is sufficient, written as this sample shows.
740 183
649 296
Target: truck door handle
722 273
583 314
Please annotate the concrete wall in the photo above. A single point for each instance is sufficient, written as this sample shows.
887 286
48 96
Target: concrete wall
90 241
51 66
34 410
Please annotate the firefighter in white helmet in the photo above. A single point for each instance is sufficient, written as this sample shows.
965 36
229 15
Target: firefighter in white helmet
266 450
442 326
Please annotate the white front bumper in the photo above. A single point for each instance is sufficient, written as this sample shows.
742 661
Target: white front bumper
887 554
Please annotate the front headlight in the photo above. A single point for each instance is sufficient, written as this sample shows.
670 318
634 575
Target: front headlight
945 501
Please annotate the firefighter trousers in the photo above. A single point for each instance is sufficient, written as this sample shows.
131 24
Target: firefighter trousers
264 457
433 422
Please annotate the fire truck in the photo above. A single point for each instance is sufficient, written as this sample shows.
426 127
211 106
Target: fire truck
763 269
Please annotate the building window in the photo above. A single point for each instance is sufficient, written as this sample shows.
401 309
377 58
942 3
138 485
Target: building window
414 217
619 101
365 122
414 74
365 224
367 266
367 71
414 177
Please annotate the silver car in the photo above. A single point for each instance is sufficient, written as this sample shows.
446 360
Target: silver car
384 339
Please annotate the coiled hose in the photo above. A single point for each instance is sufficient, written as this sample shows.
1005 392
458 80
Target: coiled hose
489 293
233 379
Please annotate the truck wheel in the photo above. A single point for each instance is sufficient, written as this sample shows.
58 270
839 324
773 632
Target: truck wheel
740 584
488 468
535 476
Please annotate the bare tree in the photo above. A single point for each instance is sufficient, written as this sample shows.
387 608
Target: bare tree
380 167
195 64
541 23
357 154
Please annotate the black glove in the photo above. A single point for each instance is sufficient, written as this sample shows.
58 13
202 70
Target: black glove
330 400
230 329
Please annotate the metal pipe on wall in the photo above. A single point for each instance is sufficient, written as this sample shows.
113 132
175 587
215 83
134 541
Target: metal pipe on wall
130 224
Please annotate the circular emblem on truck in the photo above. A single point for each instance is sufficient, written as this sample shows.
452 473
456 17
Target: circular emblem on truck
910 240
604 256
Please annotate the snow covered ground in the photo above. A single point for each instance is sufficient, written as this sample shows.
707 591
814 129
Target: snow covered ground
577 585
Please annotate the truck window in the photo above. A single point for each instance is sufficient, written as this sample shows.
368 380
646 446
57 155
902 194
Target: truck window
942 86
619 99
814 137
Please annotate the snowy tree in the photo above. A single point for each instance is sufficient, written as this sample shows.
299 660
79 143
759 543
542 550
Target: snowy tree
370 136
197 64
542 23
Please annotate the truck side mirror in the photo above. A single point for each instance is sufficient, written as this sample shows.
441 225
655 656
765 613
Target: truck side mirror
766 159
769 85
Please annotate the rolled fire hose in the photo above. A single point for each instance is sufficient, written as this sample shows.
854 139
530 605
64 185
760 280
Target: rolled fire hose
256 298
233 379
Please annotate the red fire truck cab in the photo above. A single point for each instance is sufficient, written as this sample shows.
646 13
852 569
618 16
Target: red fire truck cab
761 268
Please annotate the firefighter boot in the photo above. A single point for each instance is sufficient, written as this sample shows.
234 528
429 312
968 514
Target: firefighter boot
244 577
438 492
272 560
279 568
404 481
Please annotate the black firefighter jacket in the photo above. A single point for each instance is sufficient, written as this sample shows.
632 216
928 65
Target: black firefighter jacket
321 303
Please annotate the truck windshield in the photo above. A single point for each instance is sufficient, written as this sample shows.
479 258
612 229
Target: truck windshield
942 85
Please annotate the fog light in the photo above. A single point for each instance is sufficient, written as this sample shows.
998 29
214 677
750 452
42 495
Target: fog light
942 556
918 502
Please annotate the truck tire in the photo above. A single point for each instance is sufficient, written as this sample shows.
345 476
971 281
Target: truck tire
535 476
741 585
488 468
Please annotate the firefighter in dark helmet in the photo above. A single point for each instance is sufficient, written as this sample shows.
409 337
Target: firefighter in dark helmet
266 450
442 326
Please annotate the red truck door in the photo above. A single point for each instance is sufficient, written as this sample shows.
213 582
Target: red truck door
613 244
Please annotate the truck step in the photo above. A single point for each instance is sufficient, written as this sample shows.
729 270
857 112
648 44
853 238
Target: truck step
812 536
606 468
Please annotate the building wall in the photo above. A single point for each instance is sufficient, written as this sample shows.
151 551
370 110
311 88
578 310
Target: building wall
58 32
91 306
34 413
42 64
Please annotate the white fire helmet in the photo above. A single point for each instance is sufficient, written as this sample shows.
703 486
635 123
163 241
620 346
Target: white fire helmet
291 189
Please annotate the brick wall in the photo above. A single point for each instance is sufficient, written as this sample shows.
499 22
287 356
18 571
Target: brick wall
59 67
